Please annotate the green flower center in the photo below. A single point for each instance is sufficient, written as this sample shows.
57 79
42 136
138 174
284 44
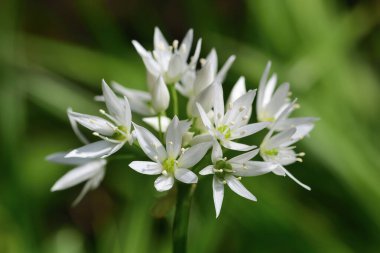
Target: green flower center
169 165
118 134
224 129
222 168
271 152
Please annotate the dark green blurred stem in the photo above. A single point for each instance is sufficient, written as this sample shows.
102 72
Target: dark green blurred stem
175 99
181 219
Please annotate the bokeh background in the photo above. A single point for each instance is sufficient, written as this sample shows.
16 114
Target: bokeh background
53 54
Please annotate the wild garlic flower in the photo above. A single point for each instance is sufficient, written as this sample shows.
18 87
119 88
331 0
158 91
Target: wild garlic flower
232 124
196 85
169 61
278 149
88 170
231 171
114 131
271 103
171 162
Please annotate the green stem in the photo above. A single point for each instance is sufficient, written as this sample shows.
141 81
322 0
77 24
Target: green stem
181 218
175 99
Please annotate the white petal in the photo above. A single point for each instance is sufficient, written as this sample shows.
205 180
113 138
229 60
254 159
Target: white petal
114 104
201 139
160 96
147 58
237 146
262 88
248 130
223 71
159 40
90 185
186 176
185 47
237 91
79 175
154 123
205 99
148 168
218 194
212 59
241 107
164 183
204 117
218 104
93 123
173 138
217 152
207 170
62 159
75 128
281 139
151 146
279 100
268 92
177 65
93 150
253 168
193 155
244 157
295 179
239 188
195 57
205 76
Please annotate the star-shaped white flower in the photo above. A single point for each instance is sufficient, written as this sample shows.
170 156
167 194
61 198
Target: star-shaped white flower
231 171
232 124
169 61
171 162
271 103
278 149
88 170
114 131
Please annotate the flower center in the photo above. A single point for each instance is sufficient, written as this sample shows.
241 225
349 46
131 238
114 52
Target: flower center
271 152
222 168
224 129
169 165
120 134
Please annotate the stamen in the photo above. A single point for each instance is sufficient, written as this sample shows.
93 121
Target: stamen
164 172
301 154
175 44
299 160
224 182
239 178
202 61
242 108
155 158
296 106
245 117
161 46
105 138
109 116
225 158
170 142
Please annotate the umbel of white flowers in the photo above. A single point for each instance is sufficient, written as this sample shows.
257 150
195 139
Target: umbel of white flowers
179 149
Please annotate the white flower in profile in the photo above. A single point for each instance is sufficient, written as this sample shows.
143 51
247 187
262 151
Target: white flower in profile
231 171
88 170
169 61
196 85
170 162
278 149
114 132
271 103
232 124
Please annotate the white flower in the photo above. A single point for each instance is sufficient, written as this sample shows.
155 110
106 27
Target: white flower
171 162
278 150
167 61
271 104
231 171
160 96
114 132
90 171
196 85
232 124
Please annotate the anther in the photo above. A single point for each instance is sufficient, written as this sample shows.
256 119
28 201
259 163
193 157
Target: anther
164 172
242 108
170 142
202 61
299 160
155 158
224 182
301 154
239 178
245 117
175 44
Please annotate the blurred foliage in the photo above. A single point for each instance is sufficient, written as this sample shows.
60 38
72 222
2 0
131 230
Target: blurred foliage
53 55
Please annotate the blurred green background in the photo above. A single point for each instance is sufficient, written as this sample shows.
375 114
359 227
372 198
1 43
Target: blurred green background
53 54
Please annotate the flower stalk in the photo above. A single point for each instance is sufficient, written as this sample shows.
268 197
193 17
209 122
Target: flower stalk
185 194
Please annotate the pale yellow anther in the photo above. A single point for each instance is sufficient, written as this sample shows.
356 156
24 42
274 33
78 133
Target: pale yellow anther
301 154
224 182
170 142
155 158
161 46
232 123
299 160
225 158
242 108
245 117
239 178
164 172
202 61
175 44
102 111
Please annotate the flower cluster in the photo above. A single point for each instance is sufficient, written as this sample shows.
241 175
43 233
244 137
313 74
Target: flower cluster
204 142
